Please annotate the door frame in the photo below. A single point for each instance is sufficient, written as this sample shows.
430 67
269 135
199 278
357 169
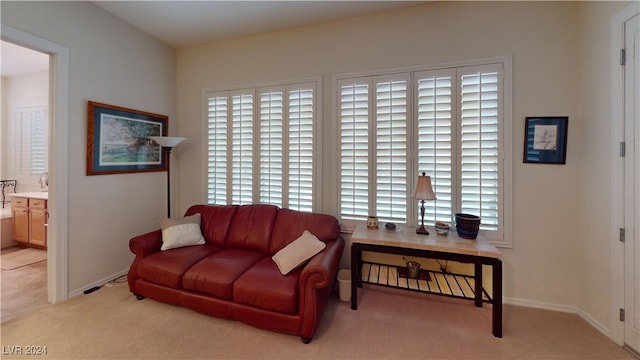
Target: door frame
57 232
617 176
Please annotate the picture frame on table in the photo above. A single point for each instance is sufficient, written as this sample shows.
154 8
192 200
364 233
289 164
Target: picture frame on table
118 140
545 139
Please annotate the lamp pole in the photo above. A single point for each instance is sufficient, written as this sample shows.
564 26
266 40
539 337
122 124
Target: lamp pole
167 143
167 149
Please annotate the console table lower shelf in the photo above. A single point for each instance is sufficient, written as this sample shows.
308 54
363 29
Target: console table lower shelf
458 286
405 242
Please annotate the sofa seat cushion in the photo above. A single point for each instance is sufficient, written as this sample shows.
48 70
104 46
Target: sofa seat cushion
215 274
264 287
167 267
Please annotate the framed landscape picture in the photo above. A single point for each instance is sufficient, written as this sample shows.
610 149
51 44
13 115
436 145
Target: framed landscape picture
545 140
118 140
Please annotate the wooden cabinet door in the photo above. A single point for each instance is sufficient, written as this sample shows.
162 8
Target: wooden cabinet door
38 222
20 216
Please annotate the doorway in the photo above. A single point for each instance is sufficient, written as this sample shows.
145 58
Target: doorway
24 162
57 231
626 177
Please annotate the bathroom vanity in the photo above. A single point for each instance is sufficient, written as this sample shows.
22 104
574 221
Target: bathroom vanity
29 218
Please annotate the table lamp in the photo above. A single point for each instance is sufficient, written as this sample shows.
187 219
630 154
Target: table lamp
423 192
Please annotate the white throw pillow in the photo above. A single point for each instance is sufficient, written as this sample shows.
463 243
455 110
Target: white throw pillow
181 232
297 252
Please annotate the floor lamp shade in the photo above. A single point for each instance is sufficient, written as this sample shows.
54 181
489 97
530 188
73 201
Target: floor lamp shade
167 143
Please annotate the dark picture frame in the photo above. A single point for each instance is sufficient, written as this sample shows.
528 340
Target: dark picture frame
545 139
118 140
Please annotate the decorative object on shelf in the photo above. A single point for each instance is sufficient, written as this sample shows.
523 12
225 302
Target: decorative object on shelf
372 222
423 192
167 143
545 140
44 181
118 140
442 228
467 225
390 226
413 268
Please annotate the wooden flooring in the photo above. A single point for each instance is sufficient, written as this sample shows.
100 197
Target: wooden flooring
23 289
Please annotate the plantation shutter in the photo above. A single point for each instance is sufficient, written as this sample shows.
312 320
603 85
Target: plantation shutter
354 149
435 113
261 146
301 149
217 132
479 143
391 147
271 147
242 149
38 142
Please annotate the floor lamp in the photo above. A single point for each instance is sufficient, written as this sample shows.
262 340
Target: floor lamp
167 143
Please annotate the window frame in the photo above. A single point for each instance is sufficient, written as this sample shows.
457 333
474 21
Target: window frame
255 88
21 144
501 238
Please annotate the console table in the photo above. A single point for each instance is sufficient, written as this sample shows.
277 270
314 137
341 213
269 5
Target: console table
404 241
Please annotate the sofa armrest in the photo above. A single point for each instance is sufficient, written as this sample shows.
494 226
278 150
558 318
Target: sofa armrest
317 282
146 244
322 268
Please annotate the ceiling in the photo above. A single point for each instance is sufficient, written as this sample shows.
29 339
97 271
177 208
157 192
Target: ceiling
17 60
187 23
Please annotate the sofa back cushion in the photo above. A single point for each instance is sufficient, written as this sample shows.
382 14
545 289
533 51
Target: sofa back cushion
251 227
290 224
215 221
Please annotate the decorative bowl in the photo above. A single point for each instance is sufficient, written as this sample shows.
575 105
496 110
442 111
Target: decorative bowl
442 228
467 225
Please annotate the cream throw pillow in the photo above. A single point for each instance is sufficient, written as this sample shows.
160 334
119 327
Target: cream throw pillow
297 252
181 232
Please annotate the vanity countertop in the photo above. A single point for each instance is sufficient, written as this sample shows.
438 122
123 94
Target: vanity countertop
43 195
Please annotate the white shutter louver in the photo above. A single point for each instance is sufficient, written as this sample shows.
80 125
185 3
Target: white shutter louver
354 151
391 151
435 142
301 139
479 146
217 132
242 150
271 148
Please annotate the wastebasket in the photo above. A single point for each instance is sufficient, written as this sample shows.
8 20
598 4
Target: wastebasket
344 284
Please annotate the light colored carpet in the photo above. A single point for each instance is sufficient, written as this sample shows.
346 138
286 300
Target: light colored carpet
20 258
111 324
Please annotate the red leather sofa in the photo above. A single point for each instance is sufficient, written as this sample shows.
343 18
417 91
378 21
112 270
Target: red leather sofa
233 275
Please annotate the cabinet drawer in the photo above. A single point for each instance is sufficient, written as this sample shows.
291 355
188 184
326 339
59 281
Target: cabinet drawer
37 203
19 202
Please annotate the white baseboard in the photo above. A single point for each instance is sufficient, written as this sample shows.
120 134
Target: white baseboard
563 308
98 283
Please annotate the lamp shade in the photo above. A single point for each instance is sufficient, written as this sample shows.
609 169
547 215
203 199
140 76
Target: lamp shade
423 190
167 141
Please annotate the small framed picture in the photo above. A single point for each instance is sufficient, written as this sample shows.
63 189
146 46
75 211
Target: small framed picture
118 140
545 140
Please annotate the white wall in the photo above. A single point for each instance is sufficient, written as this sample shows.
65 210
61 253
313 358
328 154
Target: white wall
546 265
115 63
